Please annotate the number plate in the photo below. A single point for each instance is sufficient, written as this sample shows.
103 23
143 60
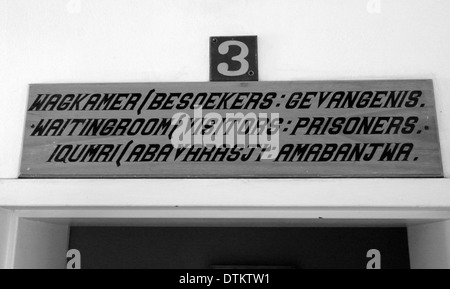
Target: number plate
234 58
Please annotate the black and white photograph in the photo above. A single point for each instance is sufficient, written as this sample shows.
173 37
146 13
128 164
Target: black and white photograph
229 143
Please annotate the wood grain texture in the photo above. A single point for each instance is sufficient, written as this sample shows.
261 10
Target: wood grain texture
423 161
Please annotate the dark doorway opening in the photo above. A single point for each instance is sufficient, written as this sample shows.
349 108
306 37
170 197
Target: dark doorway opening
203 248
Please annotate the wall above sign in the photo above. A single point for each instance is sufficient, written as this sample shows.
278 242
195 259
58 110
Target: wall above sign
232 129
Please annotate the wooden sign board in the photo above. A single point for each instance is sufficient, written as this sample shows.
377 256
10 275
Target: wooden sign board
244 130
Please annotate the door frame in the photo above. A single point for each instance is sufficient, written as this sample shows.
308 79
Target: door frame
40 212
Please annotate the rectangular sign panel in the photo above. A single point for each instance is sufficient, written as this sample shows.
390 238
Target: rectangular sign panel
232 130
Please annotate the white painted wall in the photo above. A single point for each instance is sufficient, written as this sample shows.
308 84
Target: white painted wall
27 244
41 245
429 246
167 40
